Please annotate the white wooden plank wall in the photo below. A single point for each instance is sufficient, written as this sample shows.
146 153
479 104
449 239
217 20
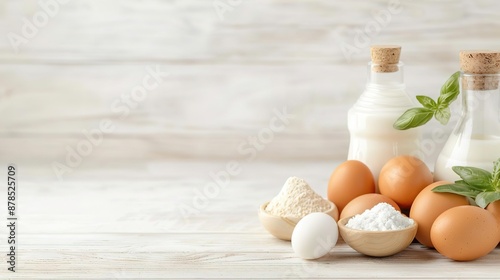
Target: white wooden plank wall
226 74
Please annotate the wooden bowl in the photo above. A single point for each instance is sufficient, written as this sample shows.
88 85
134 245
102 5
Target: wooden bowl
282 227
377 243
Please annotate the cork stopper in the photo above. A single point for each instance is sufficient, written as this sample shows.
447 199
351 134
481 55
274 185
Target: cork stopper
385 58
477 63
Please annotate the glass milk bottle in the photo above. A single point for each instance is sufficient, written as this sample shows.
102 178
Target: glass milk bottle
475 141
373 140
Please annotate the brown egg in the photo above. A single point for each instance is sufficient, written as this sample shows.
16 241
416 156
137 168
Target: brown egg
365 202
402 178
494 209
348 181
465 233
428 205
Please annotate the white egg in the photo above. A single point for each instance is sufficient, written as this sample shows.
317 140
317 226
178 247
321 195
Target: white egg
314 236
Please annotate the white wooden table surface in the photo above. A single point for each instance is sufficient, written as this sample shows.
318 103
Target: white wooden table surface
98 226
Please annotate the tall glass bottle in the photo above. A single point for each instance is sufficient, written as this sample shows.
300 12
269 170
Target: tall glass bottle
475 141
373 140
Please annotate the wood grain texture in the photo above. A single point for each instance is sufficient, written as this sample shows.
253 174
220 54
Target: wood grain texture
252 31
133 228
227 73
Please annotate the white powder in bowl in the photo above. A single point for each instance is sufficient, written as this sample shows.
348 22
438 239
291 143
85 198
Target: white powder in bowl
381 217
297 199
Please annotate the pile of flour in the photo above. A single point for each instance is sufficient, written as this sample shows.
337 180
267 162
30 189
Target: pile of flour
297 199
381 217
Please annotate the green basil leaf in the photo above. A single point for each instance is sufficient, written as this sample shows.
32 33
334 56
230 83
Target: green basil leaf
474 176
427 102
495 176
462 182
443 115
485 198
459 189
450 90
413 117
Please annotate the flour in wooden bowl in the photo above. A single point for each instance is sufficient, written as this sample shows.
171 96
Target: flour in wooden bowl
297 199
381 217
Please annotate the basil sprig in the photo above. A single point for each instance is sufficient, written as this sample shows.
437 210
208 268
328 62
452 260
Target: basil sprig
477 184
439 109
